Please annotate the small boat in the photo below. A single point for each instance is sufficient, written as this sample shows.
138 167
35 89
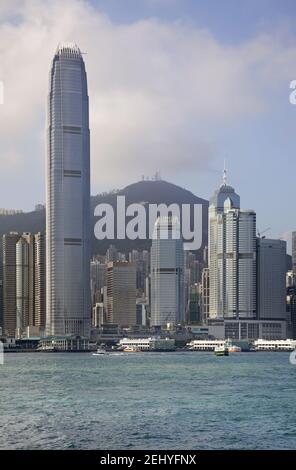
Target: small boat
221 351
233 348
100 352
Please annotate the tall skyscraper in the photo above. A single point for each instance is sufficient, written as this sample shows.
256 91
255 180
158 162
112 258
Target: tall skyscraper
232 257
25 282
205 294
216 208
121 293
167 273
271 279
9 283
68 196
40 280
98 279
294 252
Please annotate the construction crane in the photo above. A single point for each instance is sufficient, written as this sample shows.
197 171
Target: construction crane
264 231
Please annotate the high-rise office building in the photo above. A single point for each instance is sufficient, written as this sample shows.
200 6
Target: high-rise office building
216 208
9 283
294 252
232 257
1 288
237 262
98 279
205 295
68 196
167 273
271 279
40 280
291 310
121 293
25 282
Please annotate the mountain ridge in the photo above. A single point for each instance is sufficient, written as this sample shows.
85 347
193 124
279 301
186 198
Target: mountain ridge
146 191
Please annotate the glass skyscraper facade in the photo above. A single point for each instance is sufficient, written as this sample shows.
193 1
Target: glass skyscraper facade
216 209
68 196
232 257
167 273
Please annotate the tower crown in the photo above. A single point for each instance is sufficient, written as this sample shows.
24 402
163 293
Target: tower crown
68 49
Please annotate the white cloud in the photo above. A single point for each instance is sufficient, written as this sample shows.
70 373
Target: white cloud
157 90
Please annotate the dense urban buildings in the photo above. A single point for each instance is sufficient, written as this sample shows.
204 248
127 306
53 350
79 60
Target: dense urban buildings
247 274
23 283
68 196
167 273
9 283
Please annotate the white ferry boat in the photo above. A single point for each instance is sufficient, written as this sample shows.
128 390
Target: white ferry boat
205 345
275 345
221 350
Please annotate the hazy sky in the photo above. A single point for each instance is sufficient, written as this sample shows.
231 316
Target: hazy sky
174 86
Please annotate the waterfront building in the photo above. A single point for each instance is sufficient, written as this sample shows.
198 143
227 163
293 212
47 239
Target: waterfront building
248 330
68 230
167 274
121 293
271 279
64 343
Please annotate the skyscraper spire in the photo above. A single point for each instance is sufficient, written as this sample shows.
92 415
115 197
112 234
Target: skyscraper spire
225 174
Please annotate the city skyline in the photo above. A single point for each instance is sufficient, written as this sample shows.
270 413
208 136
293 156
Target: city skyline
245 116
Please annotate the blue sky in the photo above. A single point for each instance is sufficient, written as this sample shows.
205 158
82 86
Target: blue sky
175 85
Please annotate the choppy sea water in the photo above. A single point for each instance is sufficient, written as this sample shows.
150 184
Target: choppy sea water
186 400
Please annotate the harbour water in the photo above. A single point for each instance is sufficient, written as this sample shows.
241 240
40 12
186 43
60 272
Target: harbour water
185 400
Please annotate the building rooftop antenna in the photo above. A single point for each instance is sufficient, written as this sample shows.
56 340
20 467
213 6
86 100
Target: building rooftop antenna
225 174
